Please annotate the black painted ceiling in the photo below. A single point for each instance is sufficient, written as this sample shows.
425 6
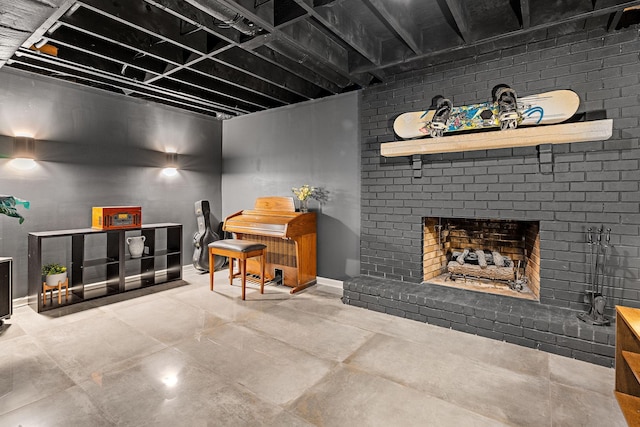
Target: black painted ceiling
231 57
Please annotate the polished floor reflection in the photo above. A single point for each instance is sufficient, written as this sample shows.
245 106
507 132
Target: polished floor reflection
185 356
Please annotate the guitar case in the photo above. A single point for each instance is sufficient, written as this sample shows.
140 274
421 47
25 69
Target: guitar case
203 237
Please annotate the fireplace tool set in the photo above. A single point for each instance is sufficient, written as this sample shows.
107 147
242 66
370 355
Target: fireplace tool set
598 257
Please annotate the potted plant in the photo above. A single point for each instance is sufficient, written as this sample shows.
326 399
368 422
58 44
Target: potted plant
54 273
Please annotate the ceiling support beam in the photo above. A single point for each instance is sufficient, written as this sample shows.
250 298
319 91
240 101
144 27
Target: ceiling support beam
109 67
296 68
141 43
404 64
460 17
251 64
194 15
177 62
102 83
615 20
155 22
152 21
144 49
337 19
294 33
315 42
402 20
240 95
68 37
187 12
64 6
220 92
525 14
310 62
222 71
68 68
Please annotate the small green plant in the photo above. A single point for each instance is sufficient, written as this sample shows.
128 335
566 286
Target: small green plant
53 268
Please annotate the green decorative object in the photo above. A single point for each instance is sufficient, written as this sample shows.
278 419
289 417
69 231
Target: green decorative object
8 206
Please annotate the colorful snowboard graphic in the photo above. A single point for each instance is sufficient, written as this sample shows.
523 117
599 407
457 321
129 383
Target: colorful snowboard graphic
545 108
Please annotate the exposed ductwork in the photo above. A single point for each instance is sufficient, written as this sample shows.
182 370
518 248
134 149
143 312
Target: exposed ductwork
229 17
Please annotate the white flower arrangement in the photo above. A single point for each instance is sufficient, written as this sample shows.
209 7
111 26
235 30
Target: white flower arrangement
305 192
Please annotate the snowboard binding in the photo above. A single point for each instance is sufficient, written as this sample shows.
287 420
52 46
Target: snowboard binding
440 118
507 100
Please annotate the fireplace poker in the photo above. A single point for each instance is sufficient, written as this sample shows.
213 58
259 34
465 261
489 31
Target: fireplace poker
598 264
590 243
605 257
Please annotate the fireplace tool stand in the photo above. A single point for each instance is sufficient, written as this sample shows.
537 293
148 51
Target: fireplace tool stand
595 296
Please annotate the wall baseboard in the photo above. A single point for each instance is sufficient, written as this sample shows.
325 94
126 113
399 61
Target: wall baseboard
19 302
329 282
319 280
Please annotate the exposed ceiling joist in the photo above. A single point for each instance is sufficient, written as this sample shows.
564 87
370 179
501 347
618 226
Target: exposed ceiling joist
457 9
151 21
525 14
233 57
185 11
356 35
403 21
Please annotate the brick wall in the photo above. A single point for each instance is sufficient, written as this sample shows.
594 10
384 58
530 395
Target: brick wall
586 185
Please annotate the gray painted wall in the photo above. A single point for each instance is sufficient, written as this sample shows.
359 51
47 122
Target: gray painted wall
315 143
98 149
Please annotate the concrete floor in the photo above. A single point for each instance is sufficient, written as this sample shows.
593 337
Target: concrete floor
185 356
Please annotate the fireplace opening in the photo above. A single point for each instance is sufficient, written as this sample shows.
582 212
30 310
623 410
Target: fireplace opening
486 255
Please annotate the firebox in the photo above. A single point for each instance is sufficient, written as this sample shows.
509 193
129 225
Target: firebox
487 255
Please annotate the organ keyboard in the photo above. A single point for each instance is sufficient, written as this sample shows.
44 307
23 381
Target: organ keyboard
290 237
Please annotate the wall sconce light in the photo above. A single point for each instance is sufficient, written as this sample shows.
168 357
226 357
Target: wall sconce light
24 149
171 168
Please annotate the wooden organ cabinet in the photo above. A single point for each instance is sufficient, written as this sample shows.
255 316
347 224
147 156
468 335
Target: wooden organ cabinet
290 237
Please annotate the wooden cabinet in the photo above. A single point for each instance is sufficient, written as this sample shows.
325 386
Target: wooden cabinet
628 363
98 262
6 281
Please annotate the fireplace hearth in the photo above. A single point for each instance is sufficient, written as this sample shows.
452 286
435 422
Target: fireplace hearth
531 324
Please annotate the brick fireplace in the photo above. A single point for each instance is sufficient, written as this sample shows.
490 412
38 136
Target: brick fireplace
564 189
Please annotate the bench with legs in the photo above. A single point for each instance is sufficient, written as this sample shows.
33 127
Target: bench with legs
240 250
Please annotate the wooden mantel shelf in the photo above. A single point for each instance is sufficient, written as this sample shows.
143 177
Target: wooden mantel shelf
597 130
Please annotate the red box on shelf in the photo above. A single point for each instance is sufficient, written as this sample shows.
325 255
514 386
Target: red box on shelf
116 217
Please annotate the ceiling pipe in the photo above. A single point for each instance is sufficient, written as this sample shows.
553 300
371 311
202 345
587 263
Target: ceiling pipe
40 43
228 16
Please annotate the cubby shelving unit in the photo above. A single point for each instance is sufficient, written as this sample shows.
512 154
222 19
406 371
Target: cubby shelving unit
100 264
628 363
6 283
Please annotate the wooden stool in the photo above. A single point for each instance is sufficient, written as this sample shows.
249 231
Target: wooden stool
59 287
240 250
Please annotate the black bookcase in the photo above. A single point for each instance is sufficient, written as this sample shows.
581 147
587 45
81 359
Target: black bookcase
6 281
99 264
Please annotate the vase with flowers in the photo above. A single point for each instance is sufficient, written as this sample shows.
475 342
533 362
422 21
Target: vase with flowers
303 194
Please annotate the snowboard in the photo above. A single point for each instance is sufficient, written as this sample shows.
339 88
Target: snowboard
541 109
